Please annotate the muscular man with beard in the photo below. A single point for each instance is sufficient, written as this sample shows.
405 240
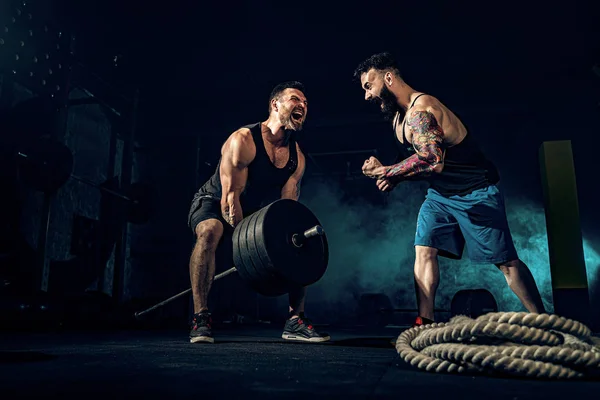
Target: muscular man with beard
259 164
463 205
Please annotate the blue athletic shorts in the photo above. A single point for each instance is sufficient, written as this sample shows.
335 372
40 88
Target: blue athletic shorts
477 220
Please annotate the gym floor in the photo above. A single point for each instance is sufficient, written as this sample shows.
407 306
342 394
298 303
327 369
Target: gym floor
244 362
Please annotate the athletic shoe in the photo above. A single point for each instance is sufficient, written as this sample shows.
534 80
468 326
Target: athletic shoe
301 329
201 328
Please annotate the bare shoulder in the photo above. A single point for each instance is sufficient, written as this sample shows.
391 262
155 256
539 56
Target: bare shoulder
242 136
427 106
240 146
238 139
430 113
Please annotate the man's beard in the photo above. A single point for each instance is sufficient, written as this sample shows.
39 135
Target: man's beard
285 118
390 106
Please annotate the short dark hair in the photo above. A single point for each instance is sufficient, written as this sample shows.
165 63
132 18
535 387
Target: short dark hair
380 61
277 90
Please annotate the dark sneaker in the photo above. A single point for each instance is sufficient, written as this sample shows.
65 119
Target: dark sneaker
201 328
301 329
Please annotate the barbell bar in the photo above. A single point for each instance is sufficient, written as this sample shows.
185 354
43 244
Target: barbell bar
104 189
170 299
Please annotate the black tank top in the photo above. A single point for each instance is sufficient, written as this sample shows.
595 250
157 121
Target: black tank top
265 180
465 166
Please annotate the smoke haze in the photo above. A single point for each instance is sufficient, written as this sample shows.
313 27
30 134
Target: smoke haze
371 251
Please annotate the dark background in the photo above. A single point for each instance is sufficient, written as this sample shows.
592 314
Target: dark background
518 73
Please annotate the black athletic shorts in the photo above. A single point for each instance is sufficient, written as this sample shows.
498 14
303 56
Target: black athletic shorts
205 208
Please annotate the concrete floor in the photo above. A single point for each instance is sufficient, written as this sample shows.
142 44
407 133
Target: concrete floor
244 362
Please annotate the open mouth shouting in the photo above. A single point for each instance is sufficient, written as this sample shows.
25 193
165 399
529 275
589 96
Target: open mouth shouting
297 116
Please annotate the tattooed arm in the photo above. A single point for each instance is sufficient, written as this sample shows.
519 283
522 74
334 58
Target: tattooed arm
237 153
428 141
291 189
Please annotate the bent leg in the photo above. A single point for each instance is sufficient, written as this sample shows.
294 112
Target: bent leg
521 282
202 261
208 228
485 226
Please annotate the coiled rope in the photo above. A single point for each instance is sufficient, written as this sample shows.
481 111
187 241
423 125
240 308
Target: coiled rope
514 343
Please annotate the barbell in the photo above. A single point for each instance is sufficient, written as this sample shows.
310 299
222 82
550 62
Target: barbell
279 248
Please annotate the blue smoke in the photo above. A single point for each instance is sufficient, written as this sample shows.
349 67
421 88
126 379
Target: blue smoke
371 250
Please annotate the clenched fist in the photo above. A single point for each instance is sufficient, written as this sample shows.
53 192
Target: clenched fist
373 168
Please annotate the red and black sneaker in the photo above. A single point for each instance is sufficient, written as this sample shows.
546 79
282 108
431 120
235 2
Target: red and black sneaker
301 329
201 328
422 321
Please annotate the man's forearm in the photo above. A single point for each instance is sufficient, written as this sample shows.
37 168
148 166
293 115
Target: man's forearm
231 209
291 192
411 167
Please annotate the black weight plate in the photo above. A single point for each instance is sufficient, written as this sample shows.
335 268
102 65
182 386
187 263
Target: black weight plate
248 262
254 240
298 265
238 254
266 282
242 260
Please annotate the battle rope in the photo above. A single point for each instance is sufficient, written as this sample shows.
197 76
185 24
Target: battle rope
514 344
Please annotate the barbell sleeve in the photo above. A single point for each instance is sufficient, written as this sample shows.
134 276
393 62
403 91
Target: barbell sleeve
299 239
170 299
314 231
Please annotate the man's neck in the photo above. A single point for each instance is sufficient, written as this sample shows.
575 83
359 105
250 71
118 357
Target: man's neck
274 132
404 95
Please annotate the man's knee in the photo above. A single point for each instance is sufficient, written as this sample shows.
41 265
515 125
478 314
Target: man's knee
507 267
208 234
425 254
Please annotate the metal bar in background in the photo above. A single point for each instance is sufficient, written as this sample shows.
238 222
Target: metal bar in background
126 176
100 90
92 99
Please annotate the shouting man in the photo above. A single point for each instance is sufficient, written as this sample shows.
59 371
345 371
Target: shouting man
259 164
463 205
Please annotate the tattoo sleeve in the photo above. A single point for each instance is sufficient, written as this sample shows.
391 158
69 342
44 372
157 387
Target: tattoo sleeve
428 140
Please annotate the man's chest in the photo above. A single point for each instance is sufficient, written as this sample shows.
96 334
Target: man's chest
279 156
